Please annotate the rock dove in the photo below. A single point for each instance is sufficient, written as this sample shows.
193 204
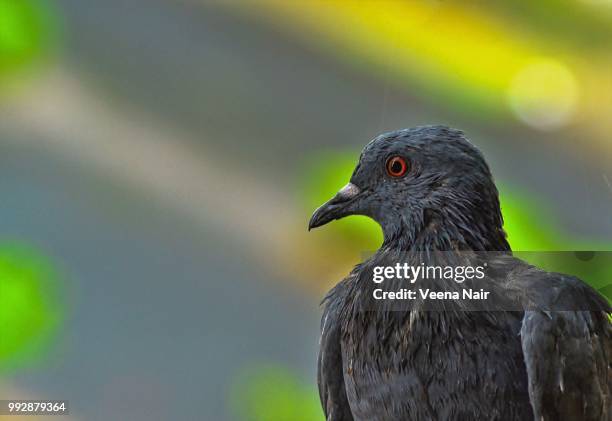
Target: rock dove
431 191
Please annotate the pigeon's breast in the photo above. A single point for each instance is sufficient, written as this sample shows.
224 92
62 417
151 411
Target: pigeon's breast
435 366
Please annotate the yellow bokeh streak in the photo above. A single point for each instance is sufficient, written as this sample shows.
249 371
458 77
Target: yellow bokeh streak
450 49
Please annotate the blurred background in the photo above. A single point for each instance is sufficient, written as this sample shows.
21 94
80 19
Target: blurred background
159 161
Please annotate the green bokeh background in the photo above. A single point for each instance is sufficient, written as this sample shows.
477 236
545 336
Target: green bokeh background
31 306
29 31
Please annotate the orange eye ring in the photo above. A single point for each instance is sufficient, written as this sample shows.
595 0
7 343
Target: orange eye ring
396 166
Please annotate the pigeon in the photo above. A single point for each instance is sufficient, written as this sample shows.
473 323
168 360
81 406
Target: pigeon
544 357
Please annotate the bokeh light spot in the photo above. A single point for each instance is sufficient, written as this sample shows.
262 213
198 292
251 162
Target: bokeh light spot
543 94
274 393
13 34
30 310
28 28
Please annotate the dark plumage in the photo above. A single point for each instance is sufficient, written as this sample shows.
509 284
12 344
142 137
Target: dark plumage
377 363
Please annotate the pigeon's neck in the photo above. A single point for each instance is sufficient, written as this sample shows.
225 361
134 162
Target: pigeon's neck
449 230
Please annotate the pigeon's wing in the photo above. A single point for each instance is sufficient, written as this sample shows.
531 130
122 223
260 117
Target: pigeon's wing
330 374
567 354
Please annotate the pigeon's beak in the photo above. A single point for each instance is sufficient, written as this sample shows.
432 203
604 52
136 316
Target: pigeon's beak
335 208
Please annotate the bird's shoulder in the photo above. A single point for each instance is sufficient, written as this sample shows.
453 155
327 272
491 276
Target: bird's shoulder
566 339
537 288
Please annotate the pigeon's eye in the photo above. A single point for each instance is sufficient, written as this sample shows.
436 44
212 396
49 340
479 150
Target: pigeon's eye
396 166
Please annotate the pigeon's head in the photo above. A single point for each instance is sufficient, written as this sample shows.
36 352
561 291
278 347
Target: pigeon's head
427 187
